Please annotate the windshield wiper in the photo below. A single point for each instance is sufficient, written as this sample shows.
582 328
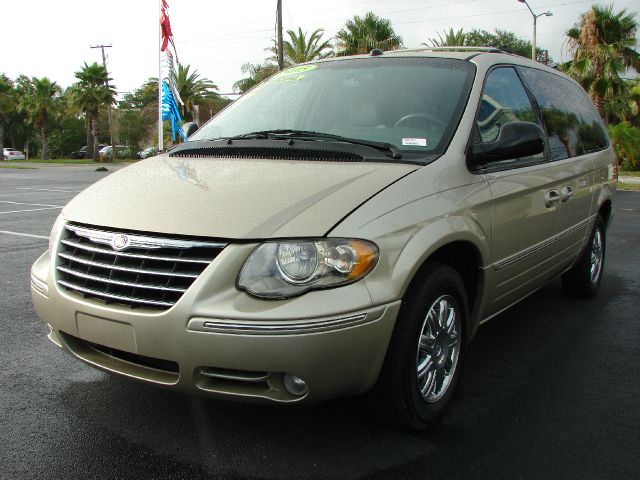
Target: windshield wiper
310 135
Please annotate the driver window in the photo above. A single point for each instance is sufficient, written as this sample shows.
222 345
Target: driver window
504 100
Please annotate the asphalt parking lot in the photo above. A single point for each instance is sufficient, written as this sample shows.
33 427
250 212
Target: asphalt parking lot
551 388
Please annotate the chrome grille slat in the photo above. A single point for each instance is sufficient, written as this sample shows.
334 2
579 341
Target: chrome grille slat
133 255
125 269
112 296
116 282
130 268
105 236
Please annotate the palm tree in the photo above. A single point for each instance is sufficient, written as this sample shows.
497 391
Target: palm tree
40 103
256 74
90 94
300 49
602 44
193 90
450 39
363 34
625 106
7 105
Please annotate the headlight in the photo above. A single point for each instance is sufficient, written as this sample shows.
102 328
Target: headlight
282 269
55 230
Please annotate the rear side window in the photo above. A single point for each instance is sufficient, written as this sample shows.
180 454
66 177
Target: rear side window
570 119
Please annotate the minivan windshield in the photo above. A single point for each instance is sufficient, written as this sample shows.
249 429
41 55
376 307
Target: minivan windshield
412 103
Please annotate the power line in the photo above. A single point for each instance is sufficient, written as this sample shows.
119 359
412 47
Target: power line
333 20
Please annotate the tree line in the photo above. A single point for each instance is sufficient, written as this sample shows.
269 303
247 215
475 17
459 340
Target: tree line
39 114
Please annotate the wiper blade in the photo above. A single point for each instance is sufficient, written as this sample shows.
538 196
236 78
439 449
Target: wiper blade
311 135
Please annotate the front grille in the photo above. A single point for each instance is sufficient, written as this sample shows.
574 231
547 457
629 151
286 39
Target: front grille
131 268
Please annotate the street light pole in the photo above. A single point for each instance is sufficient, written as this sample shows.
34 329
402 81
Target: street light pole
535 21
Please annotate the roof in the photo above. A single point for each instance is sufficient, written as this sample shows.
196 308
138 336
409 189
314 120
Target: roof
482 56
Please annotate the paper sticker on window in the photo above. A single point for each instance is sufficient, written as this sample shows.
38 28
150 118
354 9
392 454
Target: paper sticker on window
293 74
414 142
288 78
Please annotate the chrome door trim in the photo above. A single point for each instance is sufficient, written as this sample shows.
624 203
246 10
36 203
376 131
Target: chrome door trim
524 254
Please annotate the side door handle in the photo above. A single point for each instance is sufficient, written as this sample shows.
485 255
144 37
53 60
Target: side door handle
551 198
566 193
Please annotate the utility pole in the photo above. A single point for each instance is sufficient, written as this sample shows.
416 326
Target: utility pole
279 28
104 63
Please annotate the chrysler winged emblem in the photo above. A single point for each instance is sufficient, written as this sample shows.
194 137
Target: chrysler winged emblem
120 242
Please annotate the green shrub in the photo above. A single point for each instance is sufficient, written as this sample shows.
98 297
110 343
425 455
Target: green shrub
625 139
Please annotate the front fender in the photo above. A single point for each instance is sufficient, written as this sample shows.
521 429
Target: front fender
401 260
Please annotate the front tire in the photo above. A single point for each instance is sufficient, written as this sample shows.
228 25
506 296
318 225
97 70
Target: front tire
584 278
424 358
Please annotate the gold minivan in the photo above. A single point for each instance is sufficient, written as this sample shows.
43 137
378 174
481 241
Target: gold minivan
343 227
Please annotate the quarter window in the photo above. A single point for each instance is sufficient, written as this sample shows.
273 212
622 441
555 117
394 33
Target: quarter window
570 119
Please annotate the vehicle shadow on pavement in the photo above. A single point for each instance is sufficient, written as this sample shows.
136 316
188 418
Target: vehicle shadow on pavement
511 396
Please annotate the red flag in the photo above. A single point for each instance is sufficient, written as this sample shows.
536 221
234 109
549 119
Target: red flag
165 26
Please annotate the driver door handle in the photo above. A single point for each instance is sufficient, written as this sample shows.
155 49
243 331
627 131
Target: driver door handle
566 193
551 198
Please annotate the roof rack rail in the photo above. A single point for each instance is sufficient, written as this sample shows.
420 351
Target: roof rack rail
457 49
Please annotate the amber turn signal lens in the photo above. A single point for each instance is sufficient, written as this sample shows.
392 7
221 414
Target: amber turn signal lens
366 255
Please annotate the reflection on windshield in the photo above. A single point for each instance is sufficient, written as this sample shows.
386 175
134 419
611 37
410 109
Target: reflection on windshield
413 104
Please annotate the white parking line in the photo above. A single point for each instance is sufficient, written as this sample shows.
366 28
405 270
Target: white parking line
30 204
31 210
18 234
47 190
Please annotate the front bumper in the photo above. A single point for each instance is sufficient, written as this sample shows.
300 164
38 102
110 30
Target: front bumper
220 342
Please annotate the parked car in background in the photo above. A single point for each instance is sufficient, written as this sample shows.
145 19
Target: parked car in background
82 153
346 226
148 152
121 152
11 154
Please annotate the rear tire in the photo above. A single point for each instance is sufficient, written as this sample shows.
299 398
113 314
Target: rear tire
584 278
424 359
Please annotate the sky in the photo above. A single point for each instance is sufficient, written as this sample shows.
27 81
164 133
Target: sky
53 38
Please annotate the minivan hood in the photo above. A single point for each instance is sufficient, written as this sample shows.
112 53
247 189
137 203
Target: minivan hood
231 198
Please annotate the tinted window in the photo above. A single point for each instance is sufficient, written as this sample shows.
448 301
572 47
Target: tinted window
504 100
412 103
572 122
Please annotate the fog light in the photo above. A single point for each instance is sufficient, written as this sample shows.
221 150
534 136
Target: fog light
294 385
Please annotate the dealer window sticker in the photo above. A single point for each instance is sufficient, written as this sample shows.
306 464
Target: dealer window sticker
294 74
414 142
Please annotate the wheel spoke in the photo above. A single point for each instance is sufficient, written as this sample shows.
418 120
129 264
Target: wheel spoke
439 381
451 320
443 308
452 341
432 323
448 364
426 344
429 385
425 367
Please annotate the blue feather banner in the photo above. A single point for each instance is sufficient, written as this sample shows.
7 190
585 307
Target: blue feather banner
170 112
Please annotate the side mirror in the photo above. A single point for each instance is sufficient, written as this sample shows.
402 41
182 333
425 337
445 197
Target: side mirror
189 128
515 140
